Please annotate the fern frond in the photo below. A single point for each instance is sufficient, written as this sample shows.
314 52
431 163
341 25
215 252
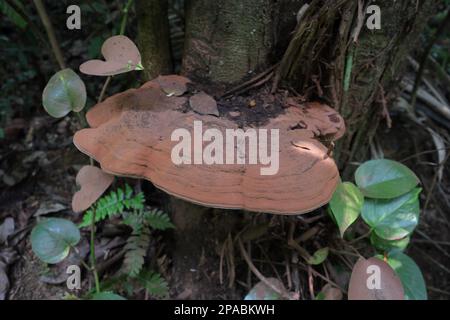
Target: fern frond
155 284
158 219
136 250
113 204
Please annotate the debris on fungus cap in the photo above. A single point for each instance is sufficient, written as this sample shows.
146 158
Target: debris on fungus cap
130 135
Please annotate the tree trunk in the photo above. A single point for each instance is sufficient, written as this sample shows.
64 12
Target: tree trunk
325 56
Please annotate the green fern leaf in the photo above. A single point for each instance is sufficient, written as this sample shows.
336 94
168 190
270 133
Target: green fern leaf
136 250
155 284
113 204
157 219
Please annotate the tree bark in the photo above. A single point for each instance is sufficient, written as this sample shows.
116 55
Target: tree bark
335 58
153 37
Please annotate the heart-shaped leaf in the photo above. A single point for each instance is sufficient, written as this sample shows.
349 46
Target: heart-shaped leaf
410 275
388 245
346 205
261 291
93 182
52 238
393 219
64 92
374 279
319 256
121 55
107 295
385 179
203 103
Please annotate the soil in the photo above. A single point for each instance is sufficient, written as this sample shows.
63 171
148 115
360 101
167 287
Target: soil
253 109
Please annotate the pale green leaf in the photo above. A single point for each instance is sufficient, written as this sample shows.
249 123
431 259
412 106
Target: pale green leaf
64 92
319 256
409 274
393 219
385 179
52 238
346 205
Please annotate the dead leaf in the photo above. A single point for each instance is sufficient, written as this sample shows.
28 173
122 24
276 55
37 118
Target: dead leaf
204 104
121 55
6 229
49 207
7 256
93 182
374 279
173 85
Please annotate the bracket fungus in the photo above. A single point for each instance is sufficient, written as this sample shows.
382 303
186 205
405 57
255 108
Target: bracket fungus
134 134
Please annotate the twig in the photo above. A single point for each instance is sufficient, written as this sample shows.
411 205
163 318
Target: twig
50 32
311 283
256 81
434 243
318 274
105 86
433 184
125 10
259 274
92 249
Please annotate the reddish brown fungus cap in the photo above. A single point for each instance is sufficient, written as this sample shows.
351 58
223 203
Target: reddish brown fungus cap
130 135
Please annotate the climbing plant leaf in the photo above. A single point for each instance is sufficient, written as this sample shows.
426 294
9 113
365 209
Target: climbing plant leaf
52 238
64 92
346 205
393 219
388 245
319 256
385 179
409 274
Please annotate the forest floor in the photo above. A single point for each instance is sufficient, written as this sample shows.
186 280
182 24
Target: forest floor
38 163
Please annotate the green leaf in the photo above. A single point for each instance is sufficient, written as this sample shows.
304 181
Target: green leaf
136 250
409 274
52 238
107 295
346 205
388 245
64 92
154 284
385 179
158 220
113 204
319 256
393 219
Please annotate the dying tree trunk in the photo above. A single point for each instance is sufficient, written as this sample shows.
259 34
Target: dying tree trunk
328 57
